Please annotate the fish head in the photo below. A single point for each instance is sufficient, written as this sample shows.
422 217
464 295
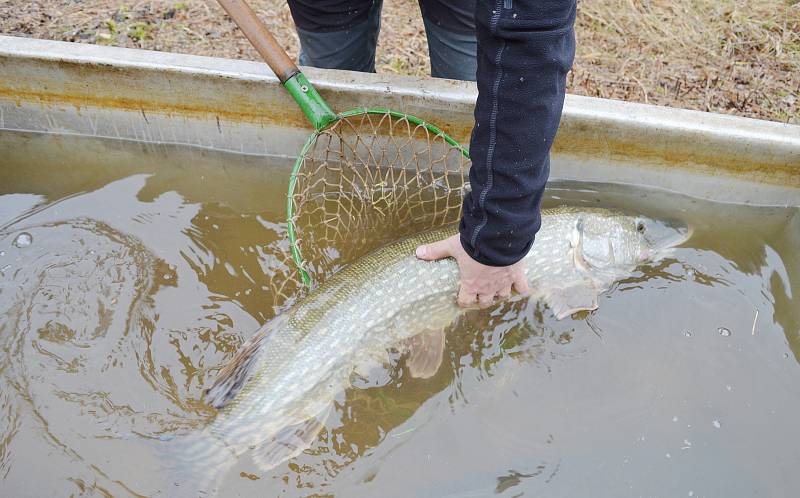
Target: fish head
610 241
660 236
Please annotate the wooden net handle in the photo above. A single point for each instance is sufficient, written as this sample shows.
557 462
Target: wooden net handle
261 38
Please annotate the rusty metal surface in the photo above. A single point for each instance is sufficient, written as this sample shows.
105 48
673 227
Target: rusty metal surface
239 106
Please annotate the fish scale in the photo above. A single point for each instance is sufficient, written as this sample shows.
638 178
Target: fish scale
289 372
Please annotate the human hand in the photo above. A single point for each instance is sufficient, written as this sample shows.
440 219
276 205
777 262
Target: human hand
480 284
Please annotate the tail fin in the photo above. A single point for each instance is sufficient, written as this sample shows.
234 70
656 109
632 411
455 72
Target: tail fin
194 465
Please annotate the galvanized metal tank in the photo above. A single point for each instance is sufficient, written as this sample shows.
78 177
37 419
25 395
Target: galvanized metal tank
55 87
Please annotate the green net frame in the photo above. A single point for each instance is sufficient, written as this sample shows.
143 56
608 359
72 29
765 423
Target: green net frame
369 177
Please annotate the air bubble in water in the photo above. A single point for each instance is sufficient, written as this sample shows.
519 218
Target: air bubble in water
2 253
724 332
23 240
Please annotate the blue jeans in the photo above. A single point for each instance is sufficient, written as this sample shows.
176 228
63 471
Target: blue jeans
334 43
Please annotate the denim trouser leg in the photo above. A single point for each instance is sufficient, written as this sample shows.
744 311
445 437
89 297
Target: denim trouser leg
327 43
453 54
352 49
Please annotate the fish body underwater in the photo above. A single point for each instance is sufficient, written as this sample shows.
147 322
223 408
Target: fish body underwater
275 395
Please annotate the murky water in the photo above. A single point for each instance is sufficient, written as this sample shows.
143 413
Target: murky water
129 274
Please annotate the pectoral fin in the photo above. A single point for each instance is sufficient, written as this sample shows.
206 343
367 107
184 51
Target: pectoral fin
367 364
424 350
569 300
289 442
425 353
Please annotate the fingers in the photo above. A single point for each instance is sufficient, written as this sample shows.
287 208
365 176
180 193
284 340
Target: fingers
480 284
485 296
437 250
505 293
521 284
466 297
485 300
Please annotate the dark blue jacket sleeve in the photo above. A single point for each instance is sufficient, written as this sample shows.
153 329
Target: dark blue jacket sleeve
525 49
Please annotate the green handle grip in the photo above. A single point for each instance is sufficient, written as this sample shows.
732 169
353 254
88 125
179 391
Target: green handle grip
310 101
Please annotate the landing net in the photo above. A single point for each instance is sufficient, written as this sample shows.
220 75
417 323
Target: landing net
372 176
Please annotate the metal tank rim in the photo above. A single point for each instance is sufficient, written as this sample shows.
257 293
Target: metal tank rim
235 105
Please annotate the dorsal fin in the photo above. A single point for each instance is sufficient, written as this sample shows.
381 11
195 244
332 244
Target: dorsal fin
236 373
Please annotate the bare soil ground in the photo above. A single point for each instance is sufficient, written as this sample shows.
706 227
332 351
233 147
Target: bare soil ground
730 56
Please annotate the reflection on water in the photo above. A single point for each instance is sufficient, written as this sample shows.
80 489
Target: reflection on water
129 283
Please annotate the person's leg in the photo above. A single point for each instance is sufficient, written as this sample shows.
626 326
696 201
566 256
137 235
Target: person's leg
337 34
450 26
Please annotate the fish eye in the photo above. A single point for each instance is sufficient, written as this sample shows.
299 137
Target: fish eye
640 226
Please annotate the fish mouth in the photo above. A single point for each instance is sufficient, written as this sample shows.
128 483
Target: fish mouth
664 235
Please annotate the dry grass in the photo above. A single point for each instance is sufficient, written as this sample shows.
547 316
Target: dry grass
740 57
731 56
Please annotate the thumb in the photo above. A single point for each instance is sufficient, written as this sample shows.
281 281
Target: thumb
431 252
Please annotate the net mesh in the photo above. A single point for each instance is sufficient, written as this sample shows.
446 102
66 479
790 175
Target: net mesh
371 177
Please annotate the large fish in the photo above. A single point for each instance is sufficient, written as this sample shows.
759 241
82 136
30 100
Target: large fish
275 395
